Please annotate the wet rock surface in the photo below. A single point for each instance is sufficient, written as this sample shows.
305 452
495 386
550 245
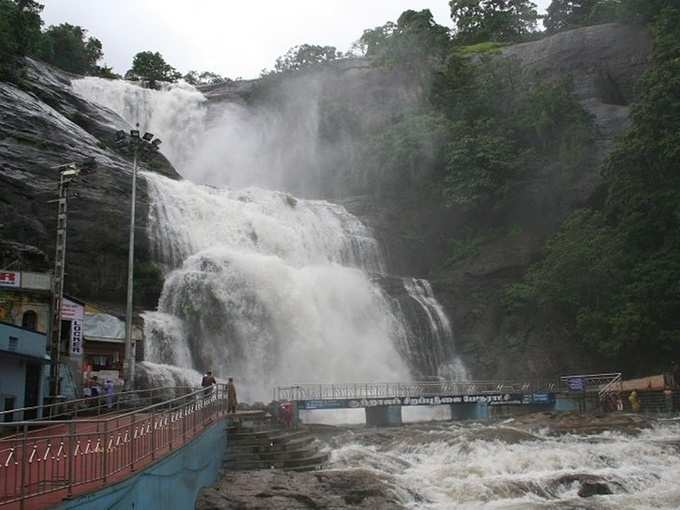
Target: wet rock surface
574 423
44 124
278 490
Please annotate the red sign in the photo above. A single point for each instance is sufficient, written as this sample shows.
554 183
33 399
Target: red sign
10 279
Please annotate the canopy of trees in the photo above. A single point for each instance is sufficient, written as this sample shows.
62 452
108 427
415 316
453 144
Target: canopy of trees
414 40
152 67
205 78
493 20
68 47
305 56
567 14
20 24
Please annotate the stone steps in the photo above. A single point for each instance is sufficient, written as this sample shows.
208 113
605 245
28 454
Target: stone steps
272 448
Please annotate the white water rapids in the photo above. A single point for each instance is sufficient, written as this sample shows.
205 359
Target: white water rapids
475 467
262 286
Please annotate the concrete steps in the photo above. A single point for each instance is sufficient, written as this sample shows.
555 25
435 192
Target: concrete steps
252 448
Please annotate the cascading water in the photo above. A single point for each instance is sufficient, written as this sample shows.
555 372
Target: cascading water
263 286
432 323
271 290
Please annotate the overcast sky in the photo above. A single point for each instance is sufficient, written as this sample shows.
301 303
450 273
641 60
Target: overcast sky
231 37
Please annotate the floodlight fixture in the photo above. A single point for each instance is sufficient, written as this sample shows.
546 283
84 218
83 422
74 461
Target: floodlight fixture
134 133
147 137
156 142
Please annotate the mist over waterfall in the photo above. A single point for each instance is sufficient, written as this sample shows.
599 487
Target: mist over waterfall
260 285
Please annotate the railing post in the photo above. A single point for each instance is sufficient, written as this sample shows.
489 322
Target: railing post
132 443
153 437
22 488
184 426
105 465
70 453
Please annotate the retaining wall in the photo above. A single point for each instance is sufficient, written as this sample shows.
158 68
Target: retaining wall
172 483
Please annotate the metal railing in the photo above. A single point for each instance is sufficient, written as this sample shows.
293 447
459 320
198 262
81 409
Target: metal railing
402 390
60 458
590 382
98 406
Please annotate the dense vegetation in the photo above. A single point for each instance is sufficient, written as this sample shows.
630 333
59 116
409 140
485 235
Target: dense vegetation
614 270
612 273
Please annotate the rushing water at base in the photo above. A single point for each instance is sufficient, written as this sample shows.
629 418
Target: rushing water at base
447 466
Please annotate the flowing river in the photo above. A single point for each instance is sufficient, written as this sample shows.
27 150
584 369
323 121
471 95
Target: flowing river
476 466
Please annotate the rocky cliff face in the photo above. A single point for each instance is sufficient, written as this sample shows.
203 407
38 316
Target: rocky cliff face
605 63
44 124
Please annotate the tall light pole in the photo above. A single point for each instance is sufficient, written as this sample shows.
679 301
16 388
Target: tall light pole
67 173
143 146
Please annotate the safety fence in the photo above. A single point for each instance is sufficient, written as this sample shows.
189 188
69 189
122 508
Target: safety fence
100 405
411 389
51 460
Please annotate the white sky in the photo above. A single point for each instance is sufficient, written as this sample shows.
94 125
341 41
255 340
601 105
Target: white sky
231 37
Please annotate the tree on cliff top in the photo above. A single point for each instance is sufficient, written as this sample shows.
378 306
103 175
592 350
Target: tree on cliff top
305 56
205 78
152 66
68 47
493 20
20 24
415 36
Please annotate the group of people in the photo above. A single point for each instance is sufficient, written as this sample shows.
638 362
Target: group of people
209 381
92 388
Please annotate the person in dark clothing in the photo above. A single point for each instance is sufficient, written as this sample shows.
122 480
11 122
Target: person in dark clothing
207 382
232 402
676 375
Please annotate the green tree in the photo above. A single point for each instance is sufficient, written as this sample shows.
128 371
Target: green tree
205 78
566 14
151 66
416 37
305 56
493 20
20 24
68 47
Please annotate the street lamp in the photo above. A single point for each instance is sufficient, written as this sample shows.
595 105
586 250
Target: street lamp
144 147
67 174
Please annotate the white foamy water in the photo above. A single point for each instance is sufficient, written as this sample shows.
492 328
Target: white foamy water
176 114
266 291
260 285
480 467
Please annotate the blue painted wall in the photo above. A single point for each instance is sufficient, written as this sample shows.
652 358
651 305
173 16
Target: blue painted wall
170 484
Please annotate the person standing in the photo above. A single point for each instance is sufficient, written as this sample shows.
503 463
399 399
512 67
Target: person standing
634 401
676 374
108 391
232 402
207 382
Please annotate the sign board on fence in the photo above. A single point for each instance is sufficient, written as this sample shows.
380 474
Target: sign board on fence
10 279
496 399
575 384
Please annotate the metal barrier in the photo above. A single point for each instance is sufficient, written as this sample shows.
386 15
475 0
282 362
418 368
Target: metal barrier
99 405
58 458
411 389
590 382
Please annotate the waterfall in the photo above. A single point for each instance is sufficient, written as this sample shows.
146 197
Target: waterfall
265 287
176 113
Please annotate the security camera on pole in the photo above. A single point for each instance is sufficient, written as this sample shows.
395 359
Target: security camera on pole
67 173
141 147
